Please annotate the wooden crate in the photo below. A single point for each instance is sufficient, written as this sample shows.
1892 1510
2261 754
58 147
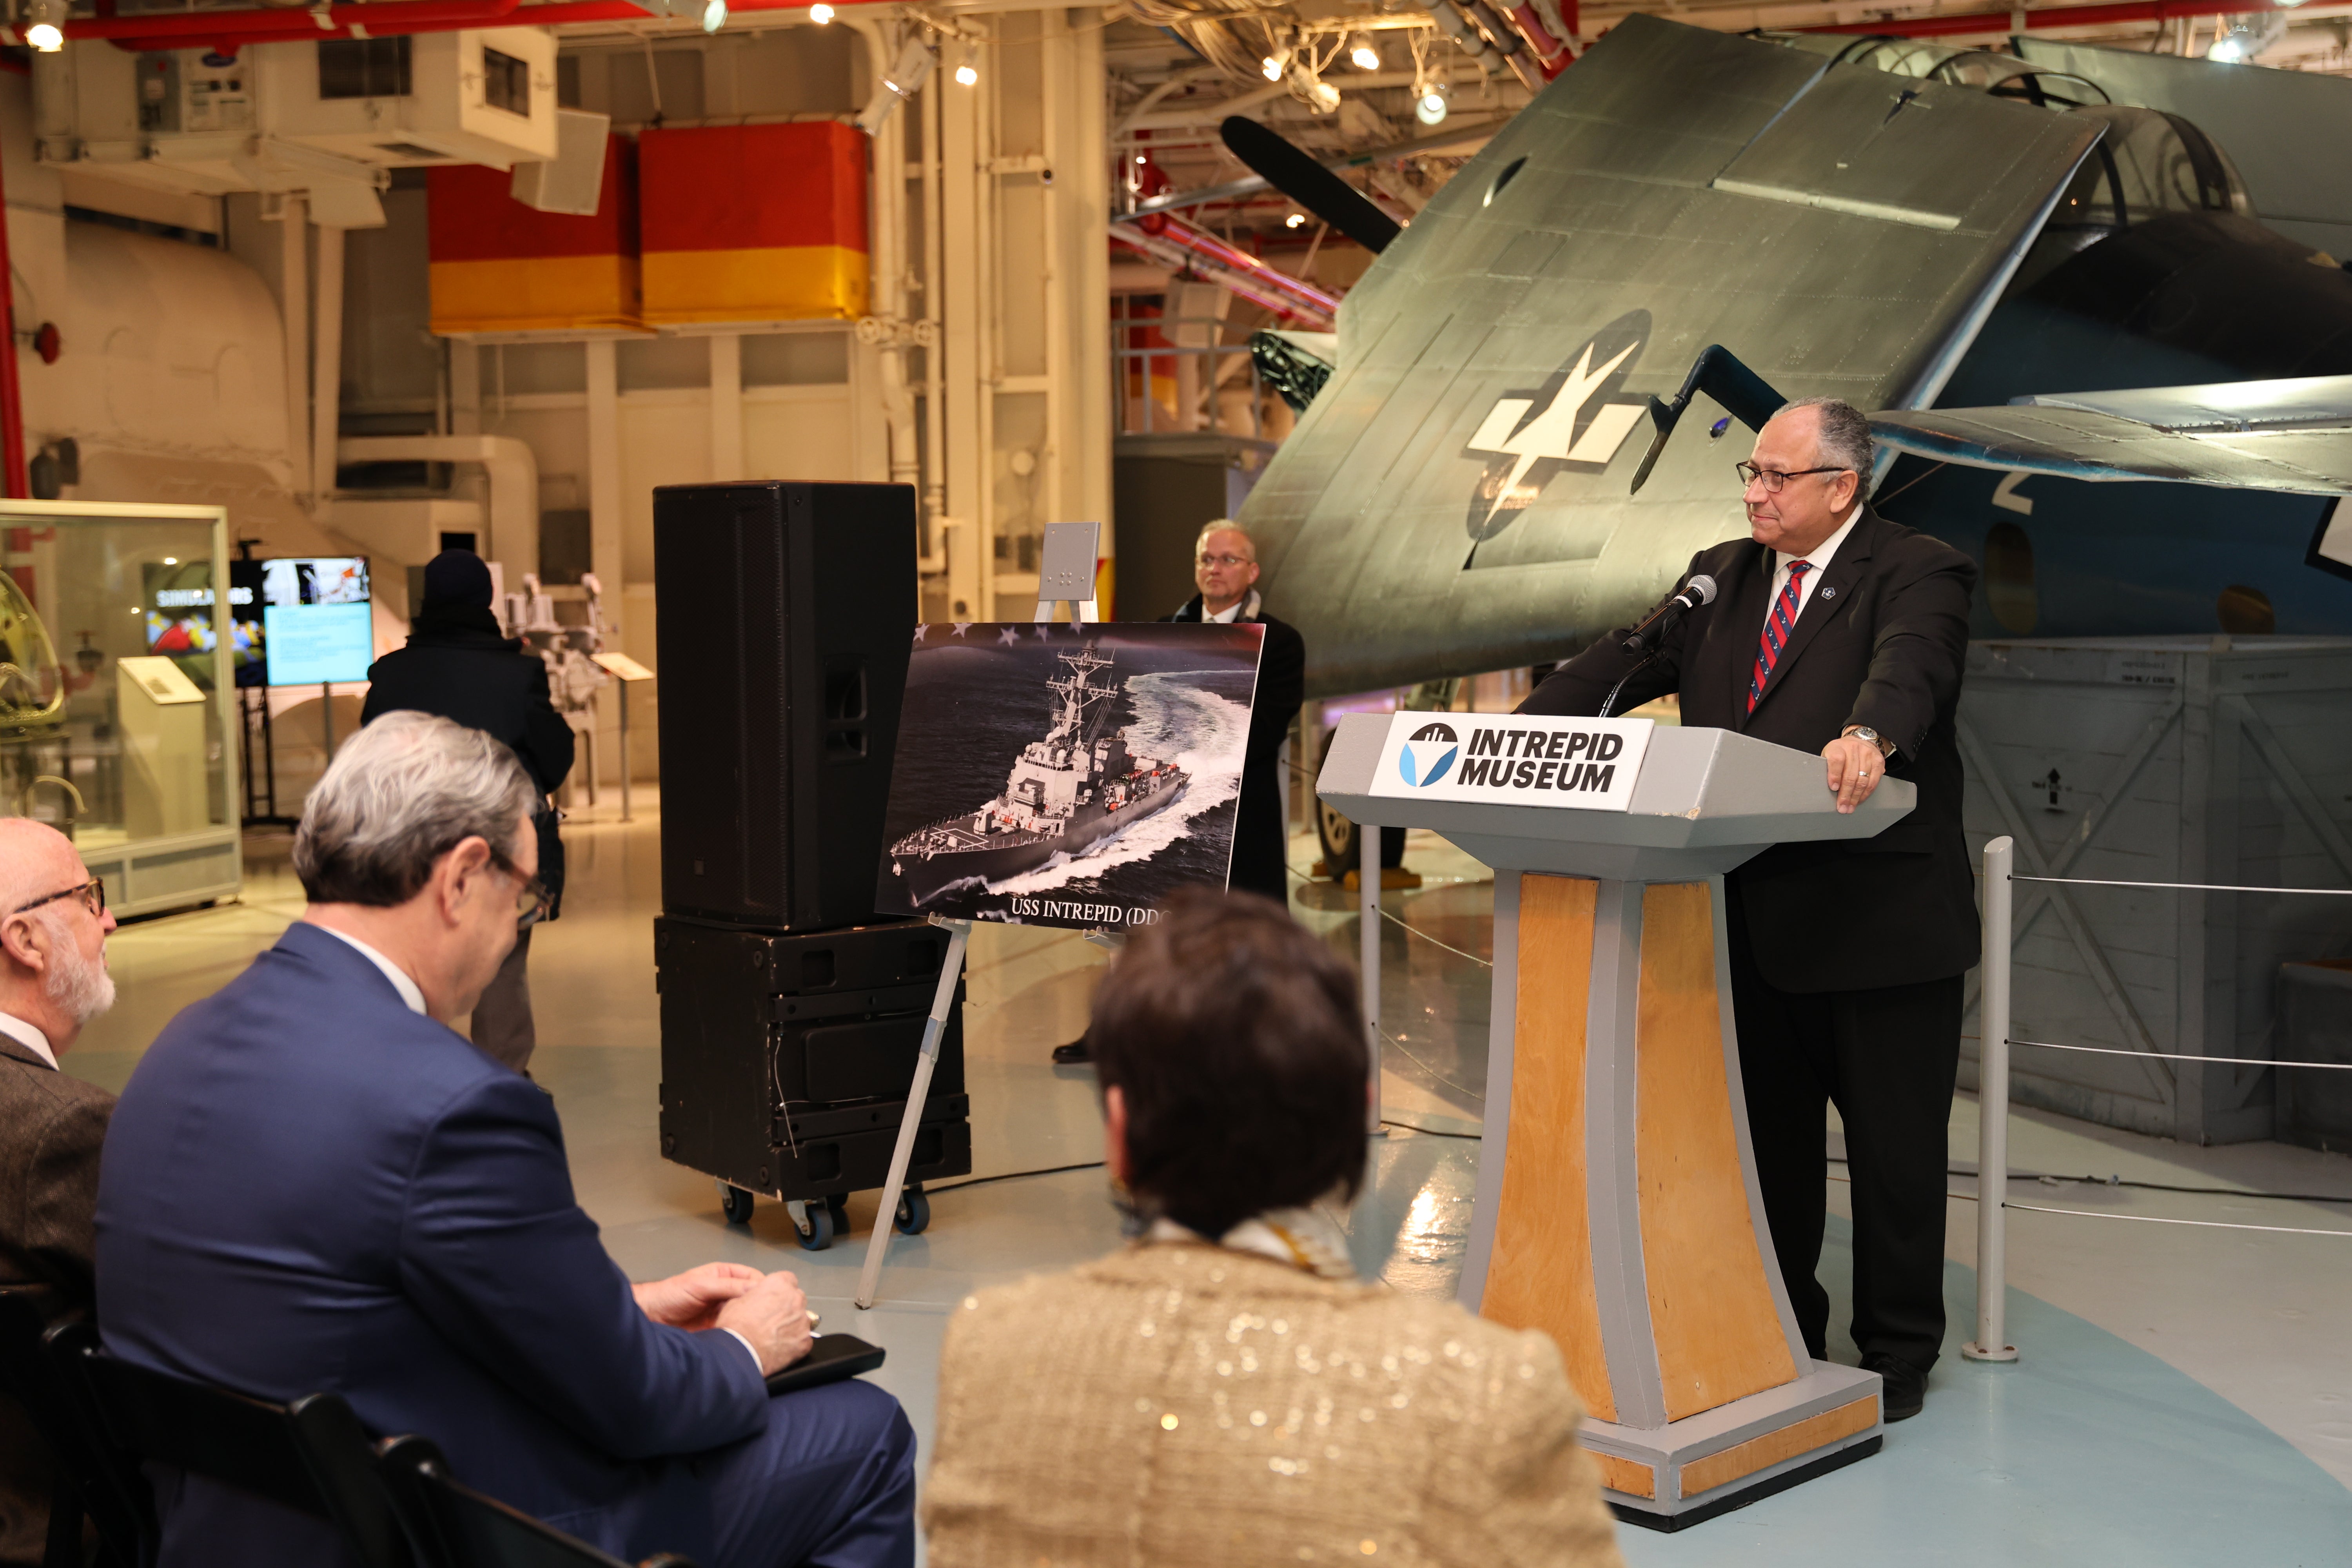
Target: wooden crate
2160 760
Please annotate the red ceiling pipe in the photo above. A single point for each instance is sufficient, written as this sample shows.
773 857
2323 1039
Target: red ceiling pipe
196 27
11 399
379 18
2053 16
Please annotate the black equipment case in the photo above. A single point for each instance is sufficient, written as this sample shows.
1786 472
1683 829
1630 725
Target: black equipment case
787 1058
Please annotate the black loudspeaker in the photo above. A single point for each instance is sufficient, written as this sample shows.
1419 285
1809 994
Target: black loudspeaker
786 613
787 1058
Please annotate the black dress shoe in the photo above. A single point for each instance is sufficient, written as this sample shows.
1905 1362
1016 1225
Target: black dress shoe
1075 1054
1906 1386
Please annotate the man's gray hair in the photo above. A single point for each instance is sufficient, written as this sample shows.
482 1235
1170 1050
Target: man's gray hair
1224 525
1845 440
401 793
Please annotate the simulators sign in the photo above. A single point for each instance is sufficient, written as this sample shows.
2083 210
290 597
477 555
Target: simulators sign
1510 759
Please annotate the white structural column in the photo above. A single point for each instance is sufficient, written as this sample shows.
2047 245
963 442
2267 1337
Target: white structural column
964 309
605 513
727 406
294 304
327 378
1077 210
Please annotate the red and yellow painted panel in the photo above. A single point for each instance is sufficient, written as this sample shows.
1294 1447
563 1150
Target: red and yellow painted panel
754 223
499 265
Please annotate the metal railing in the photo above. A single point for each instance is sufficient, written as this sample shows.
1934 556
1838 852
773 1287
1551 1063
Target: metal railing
1206 360
1993 1204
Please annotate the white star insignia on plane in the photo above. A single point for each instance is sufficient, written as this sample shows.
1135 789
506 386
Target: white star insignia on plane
962 627
1551 433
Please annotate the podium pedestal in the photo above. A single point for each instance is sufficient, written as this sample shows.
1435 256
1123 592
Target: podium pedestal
1617 1207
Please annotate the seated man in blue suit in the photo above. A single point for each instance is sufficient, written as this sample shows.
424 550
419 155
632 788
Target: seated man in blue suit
313 1183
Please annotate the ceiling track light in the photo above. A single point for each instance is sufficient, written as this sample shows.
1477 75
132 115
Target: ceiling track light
1363 56
820 13
1431 102
967 72
44 31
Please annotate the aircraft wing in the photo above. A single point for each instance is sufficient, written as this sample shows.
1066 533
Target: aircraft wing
2293 434
1455 498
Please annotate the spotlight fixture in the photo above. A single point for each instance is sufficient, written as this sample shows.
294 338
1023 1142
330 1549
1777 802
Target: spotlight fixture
44 33
1322 96
1363 57
820 13
1272 68
906 77
714 15
2228 49
967 73
1432 102
1294 220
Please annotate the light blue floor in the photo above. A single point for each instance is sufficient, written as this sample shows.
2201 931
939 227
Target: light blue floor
2093 1450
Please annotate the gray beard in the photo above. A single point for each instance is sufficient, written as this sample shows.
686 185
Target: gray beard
79 988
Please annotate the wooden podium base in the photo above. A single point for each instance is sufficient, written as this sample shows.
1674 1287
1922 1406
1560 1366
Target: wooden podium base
1618 1209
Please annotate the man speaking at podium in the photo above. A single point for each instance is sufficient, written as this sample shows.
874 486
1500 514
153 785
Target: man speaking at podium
1834 631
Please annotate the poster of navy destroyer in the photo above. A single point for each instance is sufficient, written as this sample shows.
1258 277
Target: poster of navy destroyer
1052 776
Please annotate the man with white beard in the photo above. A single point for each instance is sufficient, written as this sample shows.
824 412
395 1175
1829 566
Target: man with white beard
53 980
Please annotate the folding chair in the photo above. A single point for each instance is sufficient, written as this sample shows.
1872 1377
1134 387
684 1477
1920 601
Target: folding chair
313 1456
82 1487
460 1528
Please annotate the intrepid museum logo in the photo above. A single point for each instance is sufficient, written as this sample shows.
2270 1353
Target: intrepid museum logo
1576 420
1514 760
1438 742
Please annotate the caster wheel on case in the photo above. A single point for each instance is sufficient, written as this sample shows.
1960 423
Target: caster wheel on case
735 1203
815 1227
839 1204
914 1215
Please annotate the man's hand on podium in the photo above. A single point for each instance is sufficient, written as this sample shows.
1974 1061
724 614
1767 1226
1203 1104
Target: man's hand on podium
1855 768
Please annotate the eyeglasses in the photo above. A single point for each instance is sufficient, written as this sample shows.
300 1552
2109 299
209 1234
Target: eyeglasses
92 894
532 899
1773 478
1225 560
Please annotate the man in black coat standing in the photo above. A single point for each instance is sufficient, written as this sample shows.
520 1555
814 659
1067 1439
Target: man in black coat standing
1838 633
458 665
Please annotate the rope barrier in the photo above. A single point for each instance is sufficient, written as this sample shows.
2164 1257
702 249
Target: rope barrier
2176 1056
2204 1224
2192 887
1425 1067
1417 930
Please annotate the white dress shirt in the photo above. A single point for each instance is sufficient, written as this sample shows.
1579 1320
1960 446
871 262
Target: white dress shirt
31 1038
1819 560
414 997
409 991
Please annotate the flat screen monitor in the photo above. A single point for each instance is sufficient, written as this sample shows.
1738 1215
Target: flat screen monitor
315 620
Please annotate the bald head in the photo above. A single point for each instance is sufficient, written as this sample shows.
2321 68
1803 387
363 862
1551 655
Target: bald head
52 954
35 860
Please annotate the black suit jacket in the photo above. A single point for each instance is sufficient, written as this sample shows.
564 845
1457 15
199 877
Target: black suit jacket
1261 840
1880 642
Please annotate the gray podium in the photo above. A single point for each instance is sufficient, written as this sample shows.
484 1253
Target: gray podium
1617 1205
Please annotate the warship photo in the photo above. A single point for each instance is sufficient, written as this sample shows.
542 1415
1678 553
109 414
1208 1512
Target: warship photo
1076 786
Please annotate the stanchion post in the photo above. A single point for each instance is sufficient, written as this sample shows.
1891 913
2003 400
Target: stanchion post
1991 1342
1367 894
624 749
926 1063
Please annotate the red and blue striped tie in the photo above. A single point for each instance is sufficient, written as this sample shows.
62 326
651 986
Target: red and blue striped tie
1776 627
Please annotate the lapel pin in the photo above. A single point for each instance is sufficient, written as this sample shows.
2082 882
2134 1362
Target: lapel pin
1829 593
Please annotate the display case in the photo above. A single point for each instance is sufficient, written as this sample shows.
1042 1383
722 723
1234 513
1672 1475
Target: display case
117 693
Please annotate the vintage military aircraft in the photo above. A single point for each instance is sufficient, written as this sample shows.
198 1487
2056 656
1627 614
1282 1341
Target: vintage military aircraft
1931 234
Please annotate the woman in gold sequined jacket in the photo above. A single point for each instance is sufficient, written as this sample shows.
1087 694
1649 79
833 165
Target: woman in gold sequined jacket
1224 1392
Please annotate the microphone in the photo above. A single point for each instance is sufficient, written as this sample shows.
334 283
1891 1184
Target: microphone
1700 590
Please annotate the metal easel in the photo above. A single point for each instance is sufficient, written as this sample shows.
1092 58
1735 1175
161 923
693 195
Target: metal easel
1066 576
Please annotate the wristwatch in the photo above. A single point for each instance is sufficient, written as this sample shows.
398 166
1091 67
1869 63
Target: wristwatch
1864 732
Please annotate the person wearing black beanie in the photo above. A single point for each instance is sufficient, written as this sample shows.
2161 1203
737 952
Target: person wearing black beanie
460 666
